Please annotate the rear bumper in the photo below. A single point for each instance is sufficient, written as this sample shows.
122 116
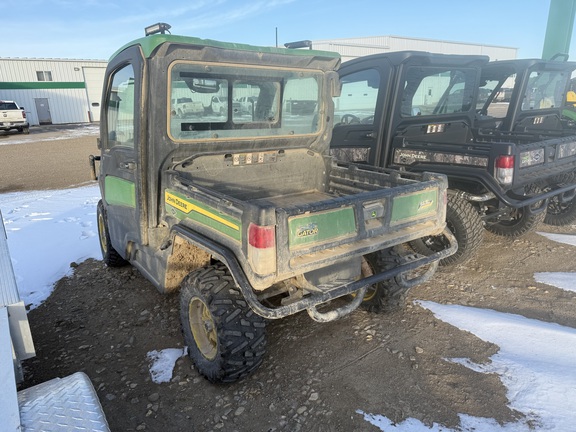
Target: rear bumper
459 175
14 125
319 297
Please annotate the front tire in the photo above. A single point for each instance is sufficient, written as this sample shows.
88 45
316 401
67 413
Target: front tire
465 223
226 339
109 255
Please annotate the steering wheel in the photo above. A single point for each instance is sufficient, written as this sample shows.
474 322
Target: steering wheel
349 119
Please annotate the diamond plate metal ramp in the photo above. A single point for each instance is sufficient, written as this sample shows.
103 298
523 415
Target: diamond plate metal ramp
62 404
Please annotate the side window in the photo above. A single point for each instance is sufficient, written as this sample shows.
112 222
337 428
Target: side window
356 105
357 100
498 106
120 108
432 91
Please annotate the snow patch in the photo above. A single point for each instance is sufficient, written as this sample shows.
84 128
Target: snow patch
162 363
47 231
560 238
565 281
535 361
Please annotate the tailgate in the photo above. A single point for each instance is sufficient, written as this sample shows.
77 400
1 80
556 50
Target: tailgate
8 117
373 209
11 115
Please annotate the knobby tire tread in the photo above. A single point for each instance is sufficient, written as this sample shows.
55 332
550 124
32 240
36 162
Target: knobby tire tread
465 223
240 332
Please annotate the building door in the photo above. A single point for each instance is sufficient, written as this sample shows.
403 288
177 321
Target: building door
43 111
94 77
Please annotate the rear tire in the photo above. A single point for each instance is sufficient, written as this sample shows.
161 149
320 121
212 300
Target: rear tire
521 221
109 255
465 223
560 214
386 296
226 339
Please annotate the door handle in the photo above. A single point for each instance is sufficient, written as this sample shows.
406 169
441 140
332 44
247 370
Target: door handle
370 135
128 165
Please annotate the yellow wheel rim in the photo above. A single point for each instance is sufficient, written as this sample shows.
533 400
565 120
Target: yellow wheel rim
203 328
102 233
372 289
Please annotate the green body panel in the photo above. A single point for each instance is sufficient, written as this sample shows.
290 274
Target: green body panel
150 43
407 207
183 207
118 191
44 85
320 227
559 28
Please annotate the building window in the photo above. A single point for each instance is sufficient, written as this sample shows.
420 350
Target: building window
44 75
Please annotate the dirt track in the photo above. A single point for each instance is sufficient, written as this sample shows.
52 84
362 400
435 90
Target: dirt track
316 377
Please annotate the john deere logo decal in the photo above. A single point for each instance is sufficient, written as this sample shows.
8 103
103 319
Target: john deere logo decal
425 204
307 230
193 210
177 202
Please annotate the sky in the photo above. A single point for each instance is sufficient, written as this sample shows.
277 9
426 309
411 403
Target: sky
535 359
94 29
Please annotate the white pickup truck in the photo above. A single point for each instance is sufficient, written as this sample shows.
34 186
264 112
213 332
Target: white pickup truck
13 116
185 107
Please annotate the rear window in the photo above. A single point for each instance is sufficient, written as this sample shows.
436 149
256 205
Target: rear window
8 106
545 89
243 102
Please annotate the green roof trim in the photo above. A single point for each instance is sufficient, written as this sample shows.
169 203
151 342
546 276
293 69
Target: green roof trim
150 43
44 85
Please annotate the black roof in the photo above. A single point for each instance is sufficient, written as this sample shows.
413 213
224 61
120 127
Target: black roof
397 58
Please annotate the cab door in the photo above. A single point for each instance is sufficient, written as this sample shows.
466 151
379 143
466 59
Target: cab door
120 168
359 111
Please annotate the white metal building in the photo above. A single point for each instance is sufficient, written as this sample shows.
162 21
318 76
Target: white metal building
54 91
350 48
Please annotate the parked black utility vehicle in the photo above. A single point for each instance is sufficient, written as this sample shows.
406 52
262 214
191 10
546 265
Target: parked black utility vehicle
417 111
537 111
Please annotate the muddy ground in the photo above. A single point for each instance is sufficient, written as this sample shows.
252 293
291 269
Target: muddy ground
315 377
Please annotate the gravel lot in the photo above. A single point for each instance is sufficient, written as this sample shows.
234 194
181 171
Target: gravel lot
316 377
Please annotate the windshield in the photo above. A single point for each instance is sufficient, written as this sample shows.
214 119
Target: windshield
227 101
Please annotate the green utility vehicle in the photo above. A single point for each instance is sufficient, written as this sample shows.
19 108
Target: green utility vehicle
244 210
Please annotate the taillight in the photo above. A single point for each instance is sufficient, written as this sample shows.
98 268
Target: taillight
262 248
504 169
23 114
